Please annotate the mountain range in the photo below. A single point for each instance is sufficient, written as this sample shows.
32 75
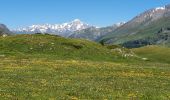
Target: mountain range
73 29
65 29
151 27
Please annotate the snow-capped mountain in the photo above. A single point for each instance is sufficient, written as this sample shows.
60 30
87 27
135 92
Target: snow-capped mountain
64 29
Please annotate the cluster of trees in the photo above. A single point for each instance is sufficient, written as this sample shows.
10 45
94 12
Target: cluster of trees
137 43
162 35
164 29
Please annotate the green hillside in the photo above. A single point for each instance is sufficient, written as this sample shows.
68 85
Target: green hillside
53 47
49 67
154 53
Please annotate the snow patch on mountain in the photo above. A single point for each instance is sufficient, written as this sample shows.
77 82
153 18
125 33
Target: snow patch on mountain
119 24
160 8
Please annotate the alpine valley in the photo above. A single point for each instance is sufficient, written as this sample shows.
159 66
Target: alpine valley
80 61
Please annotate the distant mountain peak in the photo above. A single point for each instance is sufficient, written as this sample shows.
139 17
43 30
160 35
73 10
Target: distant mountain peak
77 20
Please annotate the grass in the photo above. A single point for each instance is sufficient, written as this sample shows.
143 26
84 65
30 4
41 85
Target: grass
91 72
154 53
68 79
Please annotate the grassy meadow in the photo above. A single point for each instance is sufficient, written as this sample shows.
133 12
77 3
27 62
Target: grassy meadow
45 67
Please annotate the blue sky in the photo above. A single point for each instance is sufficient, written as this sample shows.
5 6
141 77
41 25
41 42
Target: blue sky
21 13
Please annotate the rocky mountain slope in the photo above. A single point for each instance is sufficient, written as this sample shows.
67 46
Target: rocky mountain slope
94 33
4 30
144 26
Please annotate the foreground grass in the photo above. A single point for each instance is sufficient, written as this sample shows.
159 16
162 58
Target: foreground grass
76 79
48 67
